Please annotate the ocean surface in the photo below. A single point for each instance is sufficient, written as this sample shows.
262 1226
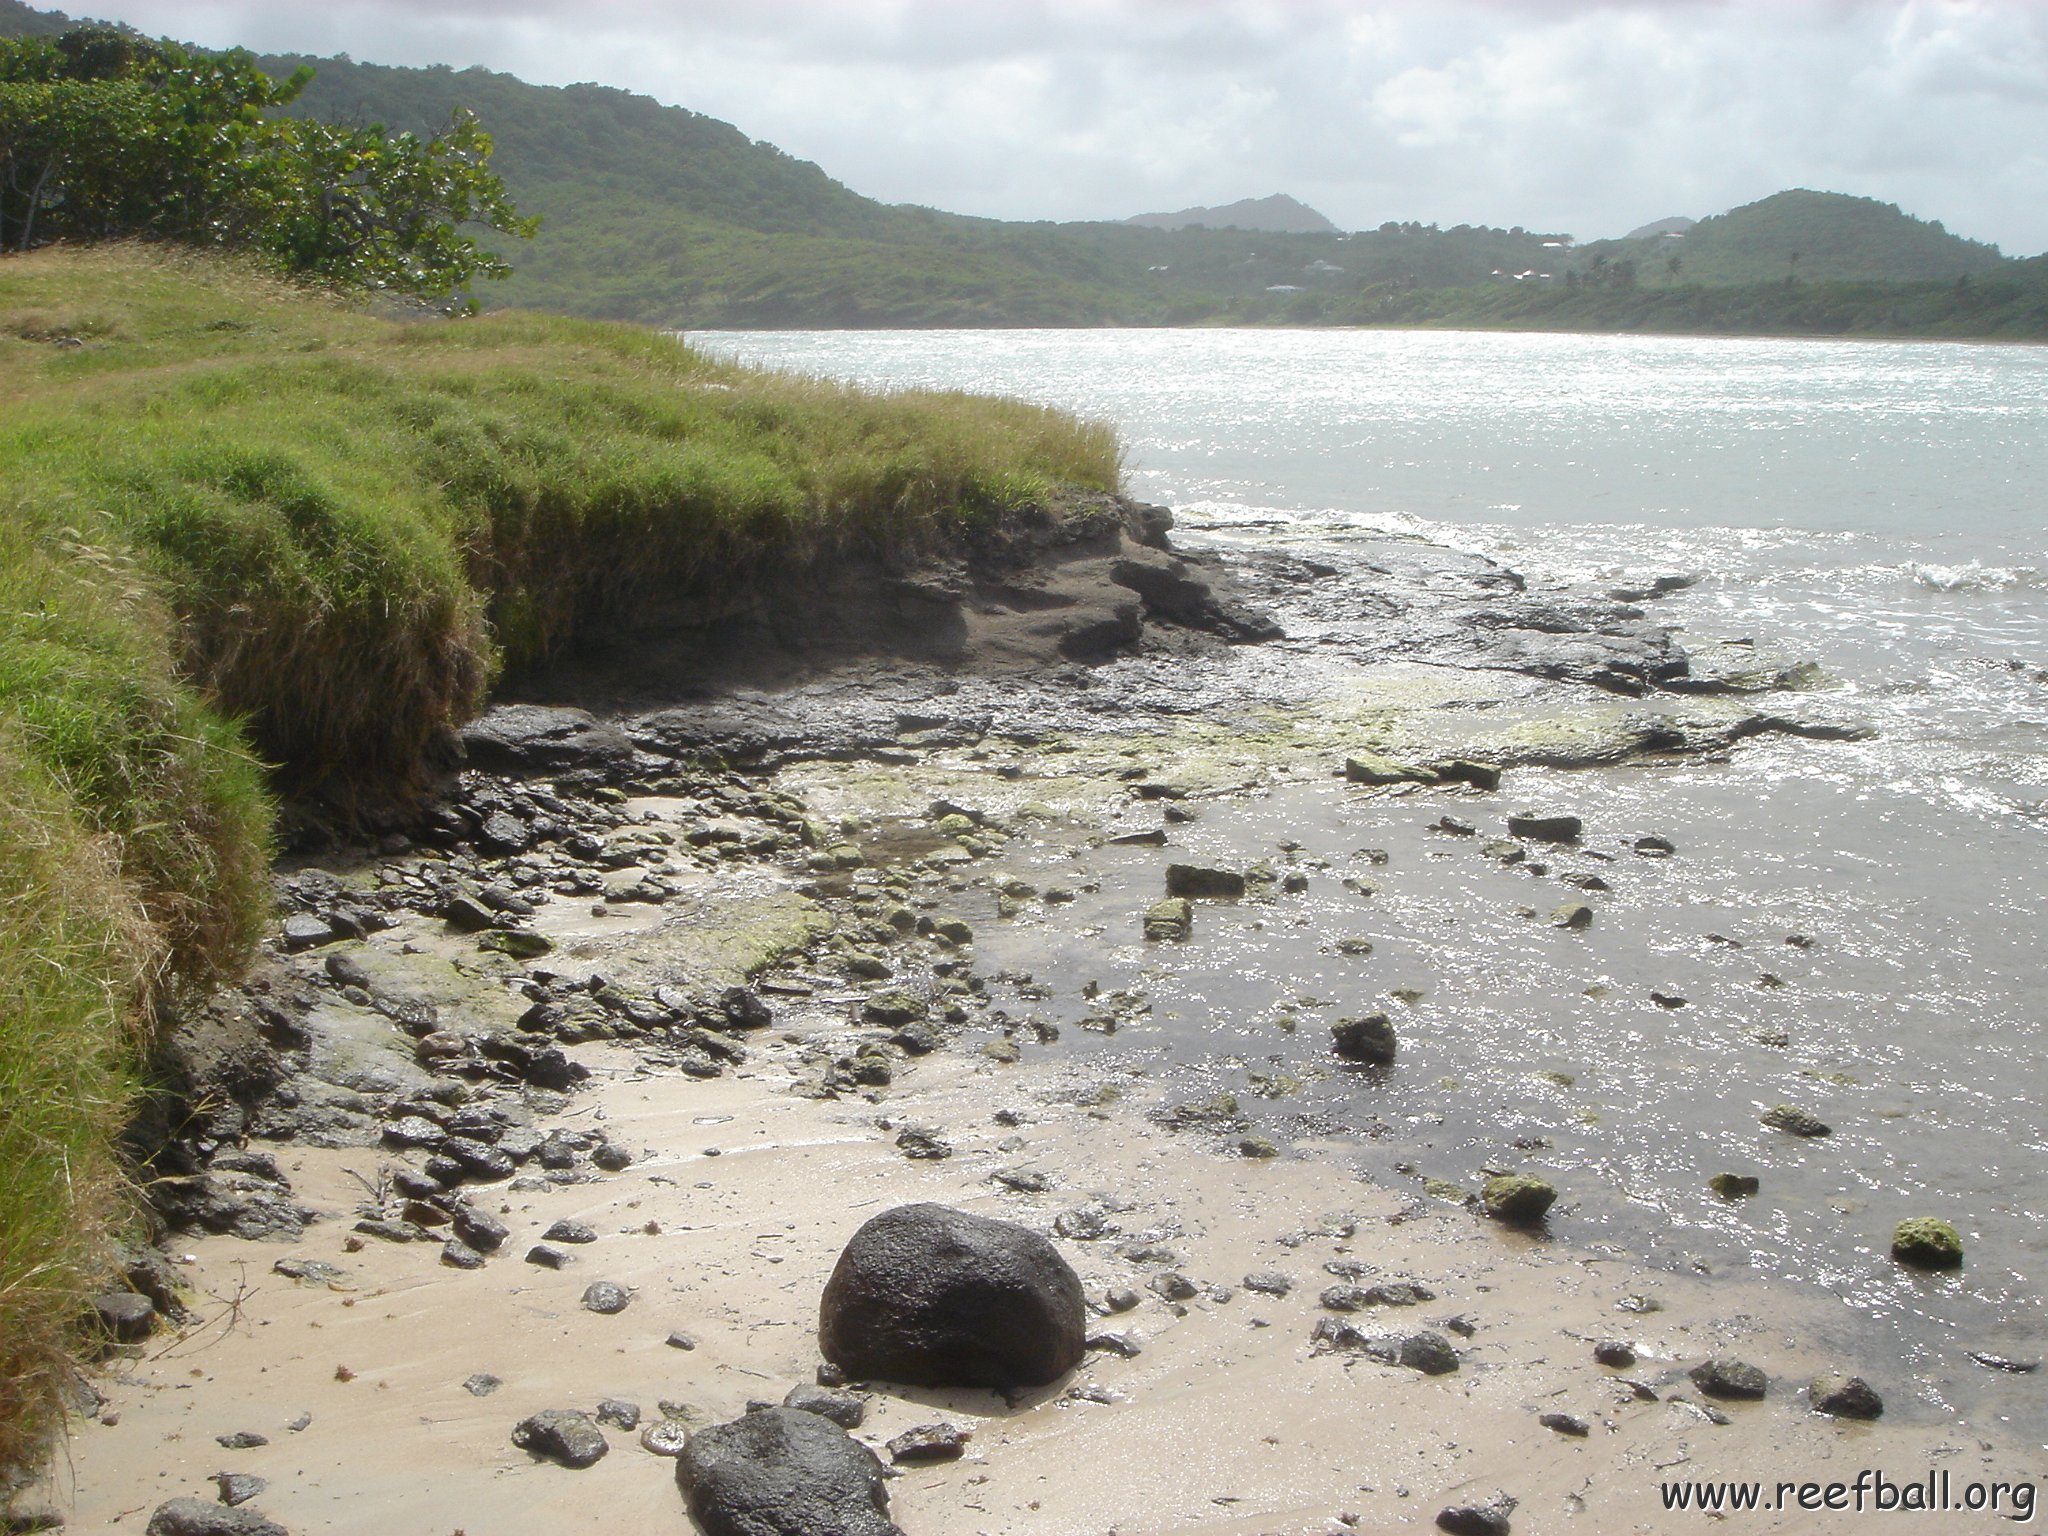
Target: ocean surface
1881 509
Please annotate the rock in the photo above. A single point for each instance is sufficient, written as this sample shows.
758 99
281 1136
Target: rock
931 1296
195 1517
501 833
1466 770
478 1159
1429 1353
518 943
1082 1224
922 1144
1667 1000
1371 768
238 1488
1269 1282
678 1339
1476 1519
1728 1378
783 1472
1799 1122
605 1298
1151 837
1368 1039
457 1254
563 1435
1173 1286
619 1414
1925 1242
1195 880
1844 1397
612 1157
1257 1147
665 1437
127 1317
1566 1424
1520 1198
929 1442
1453 826
568 1231
1023 1181
304 931
1545 829
482 1384
846 1409
1170 919
1655 847
241 1440
540 738
546 1257
892 1008
1573 914
1122 1345
1615 1352
479 1229
465 914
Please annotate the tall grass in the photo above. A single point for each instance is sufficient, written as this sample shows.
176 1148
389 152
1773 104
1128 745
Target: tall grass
239 521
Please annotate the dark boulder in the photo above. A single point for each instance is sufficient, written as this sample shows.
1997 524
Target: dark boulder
783 1472
932 1296
196 1517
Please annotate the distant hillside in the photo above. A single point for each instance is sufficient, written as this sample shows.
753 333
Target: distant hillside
1278 214
665 216
18 20
1807 237
1673 226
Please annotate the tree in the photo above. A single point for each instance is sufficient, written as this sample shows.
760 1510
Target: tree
105 135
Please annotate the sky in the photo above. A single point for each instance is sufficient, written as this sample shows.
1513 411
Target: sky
1565 116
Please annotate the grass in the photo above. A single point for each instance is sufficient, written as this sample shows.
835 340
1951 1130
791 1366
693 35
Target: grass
243 524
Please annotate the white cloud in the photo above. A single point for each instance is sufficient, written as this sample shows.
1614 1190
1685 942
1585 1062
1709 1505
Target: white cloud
1573 114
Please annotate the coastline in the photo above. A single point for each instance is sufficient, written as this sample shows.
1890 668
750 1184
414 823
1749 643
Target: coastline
790 822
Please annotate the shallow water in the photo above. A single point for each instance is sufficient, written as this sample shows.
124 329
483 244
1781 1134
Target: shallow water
1874 507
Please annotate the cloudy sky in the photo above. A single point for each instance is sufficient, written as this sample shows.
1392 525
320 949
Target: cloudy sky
1562 115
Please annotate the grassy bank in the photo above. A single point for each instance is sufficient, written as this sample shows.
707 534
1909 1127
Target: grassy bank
244 525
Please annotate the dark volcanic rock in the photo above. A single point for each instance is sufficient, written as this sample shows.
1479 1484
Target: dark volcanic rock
843 1408
929 1442
562 1435
537 738
196 1517
1728 1378
1845 1397
127 1317
783 1472
937 1297
1368 1039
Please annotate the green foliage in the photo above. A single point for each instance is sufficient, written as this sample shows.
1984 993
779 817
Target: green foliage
1807 237
104 135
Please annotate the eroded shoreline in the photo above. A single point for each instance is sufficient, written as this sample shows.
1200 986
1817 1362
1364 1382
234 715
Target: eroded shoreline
851 822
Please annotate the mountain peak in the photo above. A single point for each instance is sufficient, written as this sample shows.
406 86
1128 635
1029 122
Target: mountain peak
1278 214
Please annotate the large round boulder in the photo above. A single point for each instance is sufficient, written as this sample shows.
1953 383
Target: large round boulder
935 1297
783 1472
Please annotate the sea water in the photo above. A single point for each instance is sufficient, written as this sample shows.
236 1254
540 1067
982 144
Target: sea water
1878 508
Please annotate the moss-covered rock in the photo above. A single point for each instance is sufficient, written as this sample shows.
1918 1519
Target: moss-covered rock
1520 1198
1926 1242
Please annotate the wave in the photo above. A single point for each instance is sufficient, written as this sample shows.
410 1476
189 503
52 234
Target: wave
1975 576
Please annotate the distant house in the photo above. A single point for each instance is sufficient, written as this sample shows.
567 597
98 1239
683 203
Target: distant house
1322 267
1285 288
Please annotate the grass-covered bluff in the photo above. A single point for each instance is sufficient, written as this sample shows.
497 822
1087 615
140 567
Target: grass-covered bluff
251 536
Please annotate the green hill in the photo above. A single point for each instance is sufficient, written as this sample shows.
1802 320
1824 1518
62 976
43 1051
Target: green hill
1808 237
664 216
